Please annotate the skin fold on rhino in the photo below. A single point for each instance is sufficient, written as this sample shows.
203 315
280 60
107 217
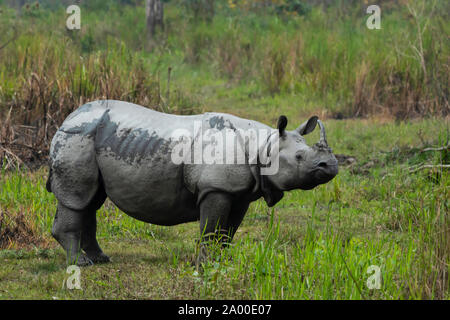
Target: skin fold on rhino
123 151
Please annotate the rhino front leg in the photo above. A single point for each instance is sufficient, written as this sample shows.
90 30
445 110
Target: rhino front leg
238 211
214 212
67 229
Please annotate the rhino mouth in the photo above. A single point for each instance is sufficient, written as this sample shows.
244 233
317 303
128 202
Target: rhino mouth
325 174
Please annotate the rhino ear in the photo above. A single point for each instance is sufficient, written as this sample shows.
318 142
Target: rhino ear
308 126
281 125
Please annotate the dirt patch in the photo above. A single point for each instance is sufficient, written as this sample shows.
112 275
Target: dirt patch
345 160
355 167
17 232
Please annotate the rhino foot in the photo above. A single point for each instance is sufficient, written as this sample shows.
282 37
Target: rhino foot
84 261
100 258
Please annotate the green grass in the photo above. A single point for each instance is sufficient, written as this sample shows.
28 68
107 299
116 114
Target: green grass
313 245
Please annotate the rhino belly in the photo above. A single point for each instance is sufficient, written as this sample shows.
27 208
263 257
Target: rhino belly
152 191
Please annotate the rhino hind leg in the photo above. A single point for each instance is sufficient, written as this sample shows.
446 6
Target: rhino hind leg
89 242
76 230
66 229
76 182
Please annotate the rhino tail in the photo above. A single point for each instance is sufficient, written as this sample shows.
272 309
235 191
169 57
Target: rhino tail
48 185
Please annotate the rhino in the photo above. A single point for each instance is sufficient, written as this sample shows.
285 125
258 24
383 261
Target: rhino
125 152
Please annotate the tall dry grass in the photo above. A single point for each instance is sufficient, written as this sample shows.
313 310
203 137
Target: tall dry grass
57 82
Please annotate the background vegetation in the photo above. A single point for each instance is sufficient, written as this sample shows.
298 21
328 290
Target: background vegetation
383 94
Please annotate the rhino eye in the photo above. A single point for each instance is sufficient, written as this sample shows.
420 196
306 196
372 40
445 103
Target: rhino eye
298 156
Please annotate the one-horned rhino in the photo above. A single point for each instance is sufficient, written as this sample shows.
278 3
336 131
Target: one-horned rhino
130 154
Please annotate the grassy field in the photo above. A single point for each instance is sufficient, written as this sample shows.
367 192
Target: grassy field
382 94
313 245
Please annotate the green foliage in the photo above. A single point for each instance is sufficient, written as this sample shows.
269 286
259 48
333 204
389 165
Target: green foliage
202 9
87 43
293 6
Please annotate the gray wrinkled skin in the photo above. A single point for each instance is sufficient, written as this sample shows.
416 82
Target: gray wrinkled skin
123 151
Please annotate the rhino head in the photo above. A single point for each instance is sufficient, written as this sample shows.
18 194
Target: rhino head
302 166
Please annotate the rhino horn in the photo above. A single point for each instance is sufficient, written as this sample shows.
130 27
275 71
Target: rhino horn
323 135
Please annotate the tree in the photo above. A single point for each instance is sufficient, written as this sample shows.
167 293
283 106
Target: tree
154 12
